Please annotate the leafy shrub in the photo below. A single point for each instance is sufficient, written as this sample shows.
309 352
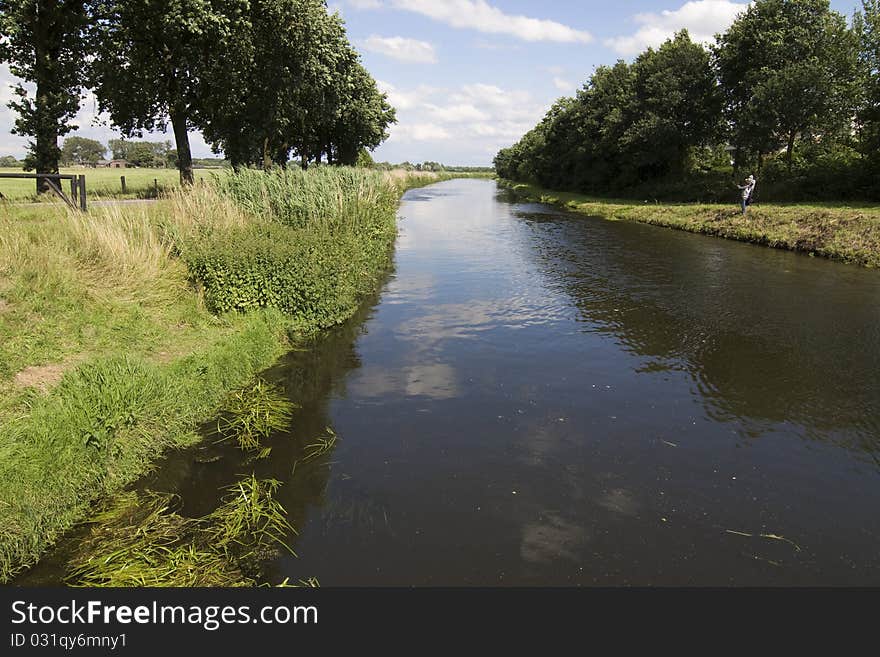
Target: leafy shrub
327 238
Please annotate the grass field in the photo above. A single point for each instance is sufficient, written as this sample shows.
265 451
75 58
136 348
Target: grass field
849 233
104 183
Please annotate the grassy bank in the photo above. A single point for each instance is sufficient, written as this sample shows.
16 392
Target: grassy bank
123 329
846 233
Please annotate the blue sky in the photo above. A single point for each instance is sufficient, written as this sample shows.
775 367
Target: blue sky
471 76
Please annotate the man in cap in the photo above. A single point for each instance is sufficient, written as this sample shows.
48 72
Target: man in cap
747 190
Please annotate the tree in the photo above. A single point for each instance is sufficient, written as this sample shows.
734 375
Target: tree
82 151
787 68
9 162
361 116
45 43
867 28
294 87
674 108
119 148
149 63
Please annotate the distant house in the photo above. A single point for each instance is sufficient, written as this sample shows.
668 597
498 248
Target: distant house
111 164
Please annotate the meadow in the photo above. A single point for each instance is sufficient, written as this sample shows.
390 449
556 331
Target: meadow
106 183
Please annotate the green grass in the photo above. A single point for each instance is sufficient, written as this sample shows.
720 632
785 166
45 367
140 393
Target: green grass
109 353
848 233
103 183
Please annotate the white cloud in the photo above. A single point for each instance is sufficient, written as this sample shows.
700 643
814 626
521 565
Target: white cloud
563 85
407 100
419 132
9 143
461 113
702 18
481 16
478 119
402 49
365 4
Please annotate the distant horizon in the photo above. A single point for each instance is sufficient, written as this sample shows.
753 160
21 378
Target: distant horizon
469 77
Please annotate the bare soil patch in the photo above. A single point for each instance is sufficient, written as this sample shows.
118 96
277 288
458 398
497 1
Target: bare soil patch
41 377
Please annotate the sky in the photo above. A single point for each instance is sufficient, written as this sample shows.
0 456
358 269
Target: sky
469 77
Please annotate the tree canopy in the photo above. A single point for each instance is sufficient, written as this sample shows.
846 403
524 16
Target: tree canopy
82 151
789 82
45 43
264 80
788 70
150 58
867 28
630 122
293 86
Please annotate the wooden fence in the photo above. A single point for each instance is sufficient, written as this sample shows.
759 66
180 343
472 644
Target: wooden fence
77 198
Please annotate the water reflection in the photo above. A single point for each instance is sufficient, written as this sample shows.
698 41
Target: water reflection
767 337
547 399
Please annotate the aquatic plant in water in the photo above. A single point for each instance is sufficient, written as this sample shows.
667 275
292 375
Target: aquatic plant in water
322 445
140 540
252 413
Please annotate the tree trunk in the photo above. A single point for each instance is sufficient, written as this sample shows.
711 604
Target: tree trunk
304 154
267 159
46 151
790 150
181 137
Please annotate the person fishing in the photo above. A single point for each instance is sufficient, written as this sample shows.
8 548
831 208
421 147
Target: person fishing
748 189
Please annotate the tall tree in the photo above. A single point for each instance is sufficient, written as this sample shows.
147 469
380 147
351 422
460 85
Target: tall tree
788 71
867 28
361 117
675 107
295 87
149 61
82 151
45 43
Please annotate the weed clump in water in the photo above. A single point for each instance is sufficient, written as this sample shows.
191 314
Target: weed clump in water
322 445
141 540
252 413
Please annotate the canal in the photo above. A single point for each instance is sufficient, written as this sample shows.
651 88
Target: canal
537 398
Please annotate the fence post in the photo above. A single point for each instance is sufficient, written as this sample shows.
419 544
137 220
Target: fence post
122 178
74 189
156 186
82 193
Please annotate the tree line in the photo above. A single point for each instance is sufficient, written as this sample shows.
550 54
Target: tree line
266 81
89 152
790 91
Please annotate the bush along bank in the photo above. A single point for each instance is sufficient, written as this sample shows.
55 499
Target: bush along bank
846 234
122 330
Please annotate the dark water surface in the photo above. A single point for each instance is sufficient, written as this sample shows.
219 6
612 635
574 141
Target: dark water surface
537 398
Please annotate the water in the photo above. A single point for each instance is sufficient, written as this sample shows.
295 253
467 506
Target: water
537 398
